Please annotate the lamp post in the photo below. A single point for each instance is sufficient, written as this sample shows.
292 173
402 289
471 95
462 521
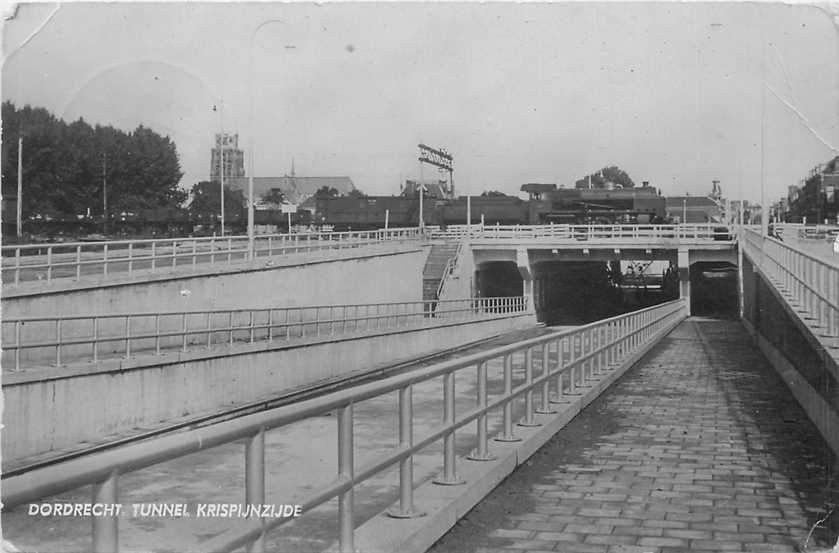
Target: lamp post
251 133
19 207
221 161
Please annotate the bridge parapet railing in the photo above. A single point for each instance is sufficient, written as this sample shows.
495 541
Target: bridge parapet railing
808 282
30 342
77 260
566 360
606 233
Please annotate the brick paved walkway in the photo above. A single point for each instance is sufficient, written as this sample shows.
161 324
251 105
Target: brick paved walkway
697 448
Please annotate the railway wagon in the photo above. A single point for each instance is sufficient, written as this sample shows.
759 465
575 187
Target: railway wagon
503 210
348 213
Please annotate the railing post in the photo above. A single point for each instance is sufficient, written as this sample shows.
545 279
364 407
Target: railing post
560 365
194 252
79 263
255 481
481 452
157 333
106 528
507 435
528 395
406 466
49 263
545 402
174 254
184 331
230 326
209 330
17 266
153 255
127 336
346 473
572 371
250 322
18 325
58 342
270 325
449 476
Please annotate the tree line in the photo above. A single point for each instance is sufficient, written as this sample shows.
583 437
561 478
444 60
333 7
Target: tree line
68 168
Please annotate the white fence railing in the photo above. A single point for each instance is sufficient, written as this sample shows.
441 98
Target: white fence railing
809 283
77 260
55 341
605 233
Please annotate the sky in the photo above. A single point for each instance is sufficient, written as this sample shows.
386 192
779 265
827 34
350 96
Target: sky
678 94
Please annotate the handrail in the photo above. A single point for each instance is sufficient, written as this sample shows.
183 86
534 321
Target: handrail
55 340
809 282
569 359
75 260
572 232
451 264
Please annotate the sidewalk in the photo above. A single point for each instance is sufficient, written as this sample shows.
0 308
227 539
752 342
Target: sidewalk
698 448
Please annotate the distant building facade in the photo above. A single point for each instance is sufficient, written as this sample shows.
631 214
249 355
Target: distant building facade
234 158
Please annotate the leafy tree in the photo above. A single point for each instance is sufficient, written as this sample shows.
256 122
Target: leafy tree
274 197
493 194
355 193
607 174
206 204
63 165
326 192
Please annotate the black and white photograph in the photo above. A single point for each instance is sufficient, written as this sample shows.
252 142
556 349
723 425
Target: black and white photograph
409 277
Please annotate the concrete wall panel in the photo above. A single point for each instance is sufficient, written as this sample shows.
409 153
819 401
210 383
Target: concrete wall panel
43 415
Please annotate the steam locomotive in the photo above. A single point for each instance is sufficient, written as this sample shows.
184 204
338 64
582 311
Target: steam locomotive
546 204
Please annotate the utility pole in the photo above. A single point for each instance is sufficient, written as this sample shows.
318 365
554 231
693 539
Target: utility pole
221 161
19 226
104 194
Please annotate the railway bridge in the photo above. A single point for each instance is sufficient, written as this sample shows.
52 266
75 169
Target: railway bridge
388 384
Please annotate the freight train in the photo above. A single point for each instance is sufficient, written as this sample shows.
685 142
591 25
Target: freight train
546 204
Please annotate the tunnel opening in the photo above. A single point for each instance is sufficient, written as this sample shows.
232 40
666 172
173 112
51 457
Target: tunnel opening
580 292
499 279
713 290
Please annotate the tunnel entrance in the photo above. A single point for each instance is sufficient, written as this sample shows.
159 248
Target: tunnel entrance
498 279
580 292
713 290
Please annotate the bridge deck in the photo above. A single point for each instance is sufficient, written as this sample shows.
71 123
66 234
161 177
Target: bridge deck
699 447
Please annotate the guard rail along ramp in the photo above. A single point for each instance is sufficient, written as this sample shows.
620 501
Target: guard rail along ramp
56 341
77 260
808 283
582 354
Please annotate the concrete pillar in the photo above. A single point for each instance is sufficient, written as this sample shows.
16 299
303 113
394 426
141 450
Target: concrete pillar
684 276
523 263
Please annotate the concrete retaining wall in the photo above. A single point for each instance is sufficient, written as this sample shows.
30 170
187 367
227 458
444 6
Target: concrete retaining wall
61 408
809 371
387 273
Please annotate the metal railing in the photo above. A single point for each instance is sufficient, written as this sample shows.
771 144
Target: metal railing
569 359
697 232
77 260
43 341
809 283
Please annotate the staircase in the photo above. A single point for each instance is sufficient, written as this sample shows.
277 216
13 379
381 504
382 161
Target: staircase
435 266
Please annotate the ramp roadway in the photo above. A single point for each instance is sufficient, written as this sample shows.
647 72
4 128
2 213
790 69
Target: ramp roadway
699 447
